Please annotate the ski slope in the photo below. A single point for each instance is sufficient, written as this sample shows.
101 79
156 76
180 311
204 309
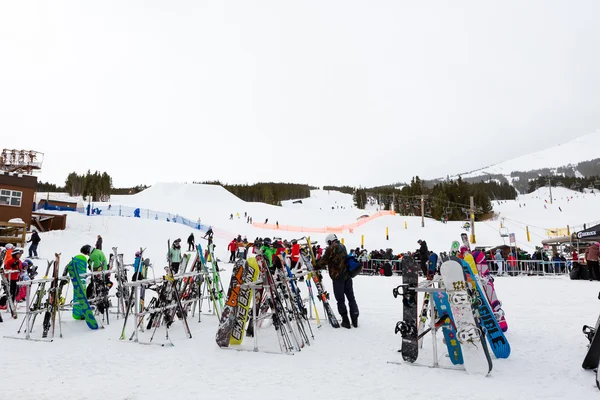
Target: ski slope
213 205
340 364
572 152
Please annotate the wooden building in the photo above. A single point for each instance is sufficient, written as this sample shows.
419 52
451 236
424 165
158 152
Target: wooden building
17 193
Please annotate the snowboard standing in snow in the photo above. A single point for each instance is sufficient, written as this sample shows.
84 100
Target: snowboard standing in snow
487 283
408 326
442 306
493 332
81 307
228 316
251 274
592 357
472 340
433 259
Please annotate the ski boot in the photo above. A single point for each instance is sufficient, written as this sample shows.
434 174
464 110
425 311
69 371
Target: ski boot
354 320
345 321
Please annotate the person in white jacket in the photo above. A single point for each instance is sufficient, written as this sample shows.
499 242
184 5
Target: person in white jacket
499 262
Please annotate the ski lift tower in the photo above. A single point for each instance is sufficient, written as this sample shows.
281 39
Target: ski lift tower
504 234
21 161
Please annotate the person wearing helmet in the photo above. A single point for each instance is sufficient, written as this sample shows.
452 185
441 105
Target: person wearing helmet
13 263
335 260
174 257
267 251
9 248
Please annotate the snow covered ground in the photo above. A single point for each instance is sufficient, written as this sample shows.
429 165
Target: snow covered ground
545 316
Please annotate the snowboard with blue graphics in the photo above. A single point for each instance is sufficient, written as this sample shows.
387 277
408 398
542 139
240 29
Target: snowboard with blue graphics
493 332
442 305
433 259
476 357
81 307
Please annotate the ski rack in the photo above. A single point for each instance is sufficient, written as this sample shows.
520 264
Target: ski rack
202 297
432 329
139 315
29 313
255 321
93 299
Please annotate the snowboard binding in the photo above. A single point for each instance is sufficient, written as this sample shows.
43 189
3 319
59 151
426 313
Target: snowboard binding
405 329
460 298
468 335
589 332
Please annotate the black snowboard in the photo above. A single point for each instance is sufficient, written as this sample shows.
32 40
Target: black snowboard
592 358
408 329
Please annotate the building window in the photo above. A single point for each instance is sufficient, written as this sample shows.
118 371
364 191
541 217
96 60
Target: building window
10 198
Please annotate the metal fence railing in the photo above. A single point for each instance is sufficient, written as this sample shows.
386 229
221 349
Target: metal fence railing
510 268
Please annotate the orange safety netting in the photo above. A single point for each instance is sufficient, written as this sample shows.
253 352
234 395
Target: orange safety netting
326 229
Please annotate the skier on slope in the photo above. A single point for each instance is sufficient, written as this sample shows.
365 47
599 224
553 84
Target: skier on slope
174 256
335 259
210 234
191 242
34 240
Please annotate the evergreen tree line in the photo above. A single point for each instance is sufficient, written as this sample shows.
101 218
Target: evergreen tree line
74 185
267 192
343 189
570 182
445 200
98 185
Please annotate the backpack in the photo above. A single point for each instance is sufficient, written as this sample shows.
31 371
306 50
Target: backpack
353 266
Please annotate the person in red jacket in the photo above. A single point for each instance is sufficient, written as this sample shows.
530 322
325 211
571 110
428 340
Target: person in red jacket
14 264
232 248
295 253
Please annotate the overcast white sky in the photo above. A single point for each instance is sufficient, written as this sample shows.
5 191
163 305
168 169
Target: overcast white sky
320 92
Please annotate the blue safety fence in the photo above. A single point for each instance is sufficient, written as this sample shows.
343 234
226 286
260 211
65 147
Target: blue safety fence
137 212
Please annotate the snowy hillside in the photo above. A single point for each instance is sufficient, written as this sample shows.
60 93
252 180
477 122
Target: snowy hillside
214 205
583 148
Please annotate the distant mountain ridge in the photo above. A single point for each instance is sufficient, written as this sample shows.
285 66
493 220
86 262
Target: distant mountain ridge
579 158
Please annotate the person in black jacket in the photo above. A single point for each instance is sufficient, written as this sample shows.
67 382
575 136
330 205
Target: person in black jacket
34 240
99 243
191 242
423 256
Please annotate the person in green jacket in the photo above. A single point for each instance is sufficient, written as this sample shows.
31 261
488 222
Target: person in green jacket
174 256
268 253
97 260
